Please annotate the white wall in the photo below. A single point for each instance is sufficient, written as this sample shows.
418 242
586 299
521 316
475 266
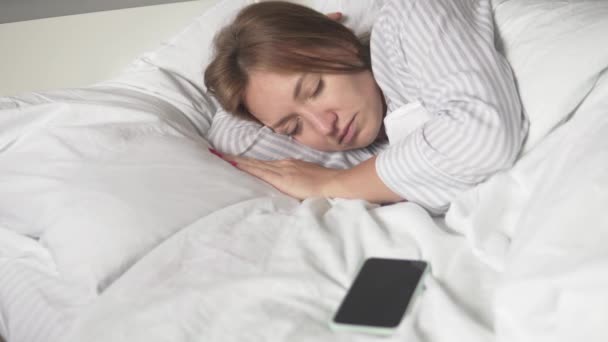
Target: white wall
19 10
78 50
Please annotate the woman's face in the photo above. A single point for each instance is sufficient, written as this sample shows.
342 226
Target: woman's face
328 112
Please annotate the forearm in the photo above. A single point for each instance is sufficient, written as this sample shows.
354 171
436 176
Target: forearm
361 181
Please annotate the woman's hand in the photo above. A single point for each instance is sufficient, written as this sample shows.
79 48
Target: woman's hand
295 178
302 180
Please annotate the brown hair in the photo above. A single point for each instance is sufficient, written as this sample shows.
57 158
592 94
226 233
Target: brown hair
282 37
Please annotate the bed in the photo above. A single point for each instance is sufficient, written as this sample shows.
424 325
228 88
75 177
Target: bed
117 224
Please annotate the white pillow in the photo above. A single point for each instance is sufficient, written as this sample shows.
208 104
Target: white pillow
359 15
174 71
554 48
557 50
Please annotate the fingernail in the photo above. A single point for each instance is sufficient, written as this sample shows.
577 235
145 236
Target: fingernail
216 153
233 163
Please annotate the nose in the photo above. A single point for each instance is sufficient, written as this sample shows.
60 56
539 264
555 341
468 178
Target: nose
324 121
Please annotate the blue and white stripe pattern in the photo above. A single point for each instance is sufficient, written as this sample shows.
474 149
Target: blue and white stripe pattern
440 53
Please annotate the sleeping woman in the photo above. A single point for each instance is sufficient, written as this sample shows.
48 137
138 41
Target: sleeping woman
425 111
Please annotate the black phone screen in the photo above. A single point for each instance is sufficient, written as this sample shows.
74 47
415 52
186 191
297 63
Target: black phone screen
381 292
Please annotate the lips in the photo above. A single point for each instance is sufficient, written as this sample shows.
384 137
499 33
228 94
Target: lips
345 137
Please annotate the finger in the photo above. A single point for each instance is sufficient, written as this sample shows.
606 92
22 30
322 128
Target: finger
336 16
216 152
223 156
230 159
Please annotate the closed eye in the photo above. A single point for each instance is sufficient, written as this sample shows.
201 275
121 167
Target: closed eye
319 89
296 128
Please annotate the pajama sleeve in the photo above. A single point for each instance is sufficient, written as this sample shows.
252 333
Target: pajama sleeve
446 50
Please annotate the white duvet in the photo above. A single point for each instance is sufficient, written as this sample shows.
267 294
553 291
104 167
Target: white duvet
127 229
274 271
531 263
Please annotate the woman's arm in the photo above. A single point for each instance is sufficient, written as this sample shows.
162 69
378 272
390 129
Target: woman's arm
302 179
362 182
444 54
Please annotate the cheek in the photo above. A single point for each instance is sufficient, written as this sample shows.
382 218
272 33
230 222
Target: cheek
312 140
368 87
364 93
351 89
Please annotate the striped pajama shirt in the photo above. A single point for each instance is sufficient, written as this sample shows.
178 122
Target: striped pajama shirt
439 54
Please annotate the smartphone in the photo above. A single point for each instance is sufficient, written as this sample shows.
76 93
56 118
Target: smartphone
380 295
